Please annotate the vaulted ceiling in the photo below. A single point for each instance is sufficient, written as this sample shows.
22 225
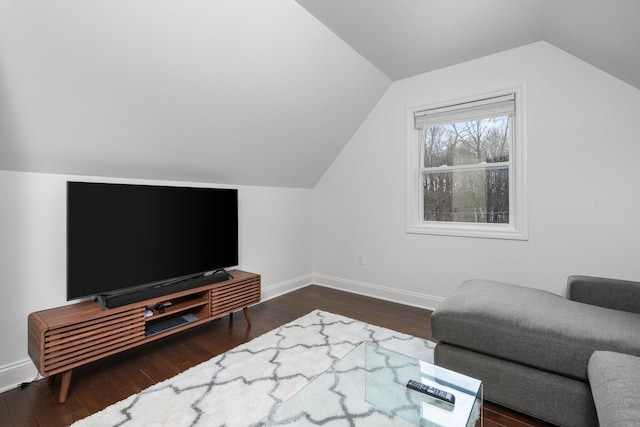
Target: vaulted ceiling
403 38
249 91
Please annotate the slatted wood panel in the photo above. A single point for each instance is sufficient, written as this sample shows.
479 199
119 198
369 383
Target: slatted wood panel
86 340
63 338
66 337
227 297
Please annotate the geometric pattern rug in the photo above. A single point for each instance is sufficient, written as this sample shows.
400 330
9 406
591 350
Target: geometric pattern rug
240 387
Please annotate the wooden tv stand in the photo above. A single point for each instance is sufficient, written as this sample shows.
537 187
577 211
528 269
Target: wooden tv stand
63 338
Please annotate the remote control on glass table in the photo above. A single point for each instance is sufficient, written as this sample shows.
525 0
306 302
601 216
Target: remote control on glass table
432 391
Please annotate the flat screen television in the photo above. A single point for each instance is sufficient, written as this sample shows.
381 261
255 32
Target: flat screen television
140 240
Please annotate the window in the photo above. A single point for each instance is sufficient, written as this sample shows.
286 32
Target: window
466 168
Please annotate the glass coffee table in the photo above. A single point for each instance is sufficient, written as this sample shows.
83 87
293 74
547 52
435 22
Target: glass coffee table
367 387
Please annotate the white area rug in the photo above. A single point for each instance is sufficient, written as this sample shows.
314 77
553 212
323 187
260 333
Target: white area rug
241 386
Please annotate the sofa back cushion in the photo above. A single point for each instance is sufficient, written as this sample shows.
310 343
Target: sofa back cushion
611 293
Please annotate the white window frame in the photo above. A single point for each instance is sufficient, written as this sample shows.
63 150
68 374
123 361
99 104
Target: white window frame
517 228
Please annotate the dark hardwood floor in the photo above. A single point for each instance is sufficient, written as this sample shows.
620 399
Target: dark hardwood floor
95 386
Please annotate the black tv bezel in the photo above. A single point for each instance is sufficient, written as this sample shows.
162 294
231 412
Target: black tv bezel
132 293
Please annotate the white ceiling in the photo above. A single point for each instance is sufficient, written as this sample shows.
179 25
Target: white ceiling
249 91
221 91
403 38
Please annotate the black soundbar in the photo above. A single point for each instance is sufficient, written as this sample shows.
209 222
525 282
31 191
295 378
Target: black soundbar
117 300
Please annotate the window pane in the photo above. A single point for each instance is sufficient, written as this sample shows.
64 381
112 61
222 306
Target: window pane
467 196
467 143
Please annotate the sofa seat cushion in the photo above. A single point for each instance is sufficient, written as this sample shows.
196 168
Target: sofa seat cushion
615 385
533 327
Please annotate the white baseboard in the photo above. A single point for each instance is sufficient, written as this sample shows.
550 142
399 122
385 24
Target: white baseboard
413 299
13 374
272 291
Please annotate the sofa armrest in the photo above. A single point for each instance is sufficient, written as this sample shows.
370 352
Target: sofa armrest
609 293
615 383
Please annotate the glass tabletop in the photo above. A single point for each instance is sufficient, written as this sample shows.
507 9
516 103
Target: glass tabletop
367 387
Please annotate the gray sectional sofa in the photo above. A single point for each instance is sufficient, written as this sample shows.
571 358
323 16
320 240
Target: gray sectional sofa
570 361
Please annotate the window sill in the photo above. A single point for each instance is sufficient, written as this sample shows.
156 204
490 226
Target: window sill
474 230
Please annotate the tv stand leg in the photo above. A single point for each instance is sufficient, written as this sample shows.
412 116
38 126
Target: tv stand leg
65 382
246 315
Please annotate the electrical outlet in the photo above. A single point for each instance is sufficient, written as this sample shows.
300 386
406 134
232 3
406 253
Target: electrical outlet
361 259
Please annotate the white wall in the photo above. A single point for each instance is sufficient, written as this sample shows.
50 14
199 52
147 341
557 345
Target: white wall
583 152
274 240
583 203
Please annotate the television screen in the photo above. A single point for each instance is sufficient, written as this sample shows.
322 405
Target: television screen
122 236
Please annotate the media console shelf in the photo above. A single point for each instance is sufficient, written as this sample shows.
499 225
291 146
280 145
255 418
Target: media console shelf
63 338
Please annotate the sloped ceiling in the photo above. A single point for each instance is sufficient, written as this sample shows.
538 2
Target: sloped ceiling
408 37
222 91
249 91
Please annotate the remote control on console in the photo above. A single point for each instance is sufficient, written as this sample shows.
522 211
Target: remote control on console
432 391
